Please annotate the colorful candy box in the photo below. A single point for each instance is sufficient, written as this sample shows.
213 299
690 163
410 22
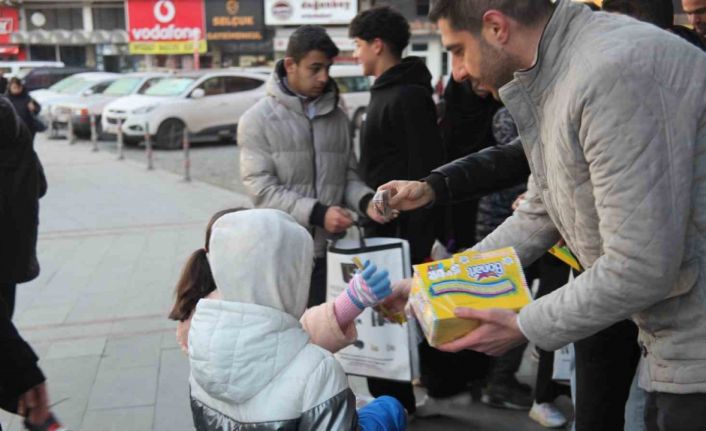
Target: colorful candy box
475 280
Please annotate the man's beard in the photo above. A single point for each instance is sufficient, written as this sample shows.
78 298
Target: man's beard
497 67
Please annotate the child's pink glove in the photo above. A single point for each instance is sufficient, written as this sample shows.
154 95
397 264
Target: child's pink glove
366 289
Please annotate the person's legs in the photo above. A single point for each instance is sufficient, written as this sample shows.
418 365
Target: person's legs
605 366
504 391
317 288
635 407
675 412
382 414
402 391
446 374
7 295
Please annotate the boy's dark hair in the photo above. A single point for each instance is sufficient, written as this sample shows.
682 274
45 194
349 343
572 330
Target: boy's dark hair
16 80
657 12
309 38
196 280
468 14
385 23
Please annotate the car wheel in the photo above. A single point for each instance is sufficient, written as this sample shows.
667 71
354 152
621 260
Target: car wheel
170 134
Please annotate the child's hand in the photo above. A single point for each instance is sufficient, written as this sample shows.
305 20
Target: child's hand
369 287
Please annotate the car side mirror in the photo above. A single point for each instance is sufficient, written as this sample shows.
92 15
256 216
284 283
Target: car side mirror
89 92
198 93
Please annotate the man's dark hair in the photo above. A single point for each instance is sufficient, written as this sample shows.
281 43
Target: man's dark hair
309 38
657 12
468 14
384 23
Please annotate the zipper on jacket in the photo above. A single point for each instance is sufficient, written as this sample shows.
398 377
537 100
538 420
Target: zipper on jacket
313 149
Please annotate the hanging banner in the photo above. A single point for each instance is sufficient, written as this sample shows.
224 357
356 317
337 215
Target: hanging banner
320 12
165 26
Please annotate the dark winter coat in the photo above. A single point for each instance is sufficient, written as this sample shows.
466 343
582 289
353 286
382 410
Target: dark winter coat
466 128
495 208
401 141
21 104
22 183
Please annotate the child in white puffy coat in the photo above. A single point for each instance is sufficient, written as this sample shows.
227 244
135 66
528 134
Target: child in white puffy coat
258 359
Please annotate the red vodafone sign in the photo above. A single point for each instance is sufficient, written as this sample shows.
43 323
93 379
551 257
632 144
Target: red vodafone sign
165 26
9 23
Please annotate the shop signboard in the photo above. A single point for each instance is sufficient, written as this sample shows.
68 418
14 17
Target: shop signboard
166 26
318 12
235 20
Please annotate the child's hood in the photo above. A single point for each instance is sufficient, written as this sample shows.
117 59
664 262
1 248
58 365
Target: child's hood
237 349
262 257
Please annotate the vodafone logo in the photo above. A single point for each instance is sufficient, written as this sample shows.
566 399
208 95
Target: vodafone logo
164 11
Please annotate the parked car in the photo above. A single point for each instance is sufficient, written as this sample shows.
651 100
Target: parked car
45 77
83 107
13 68
208 104
81 84
354 88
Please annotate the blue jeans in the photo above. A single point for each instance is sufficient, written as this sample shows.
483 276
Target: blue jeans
383 414
635 407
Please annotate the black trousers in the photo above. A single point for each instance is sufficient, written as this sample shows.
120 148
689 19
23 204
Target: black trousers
553 274
317 287
675 412
7 295
605 367
446 374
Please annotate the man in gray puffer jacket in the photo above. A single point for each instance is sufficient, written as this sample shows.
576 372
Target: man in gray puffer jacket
612 117
296 151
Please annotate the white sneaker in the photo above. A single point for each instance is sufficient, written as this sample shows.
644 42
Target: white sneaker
431 407
547 415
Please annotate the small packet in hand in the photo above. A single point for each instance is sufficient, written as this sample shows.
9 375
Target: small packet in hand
381 203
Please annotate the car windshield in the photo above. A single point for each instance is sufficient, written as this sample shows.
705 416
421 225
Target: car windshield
64 83
170 87
123 86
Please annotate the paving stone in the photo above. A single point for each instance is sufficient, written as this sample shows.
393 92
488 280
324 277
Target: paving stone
76 348
133 351
173 411
123 387
132 419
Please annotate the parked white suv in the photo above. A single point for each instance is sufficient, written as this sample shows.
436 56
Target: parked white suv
83 107
80 84
207 103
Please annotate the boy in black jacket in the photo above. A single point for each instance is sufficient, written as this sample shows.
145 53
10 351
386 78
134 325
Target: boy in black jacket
400 138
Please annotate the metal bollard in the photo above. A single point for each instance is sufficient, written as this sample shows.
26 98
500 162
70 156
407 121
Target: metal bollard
70 132
187 158
148 148
94 133
51 131
121 156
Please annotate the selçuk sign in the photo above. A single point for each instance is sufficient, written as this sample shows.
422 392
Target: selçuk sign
235 20
166 26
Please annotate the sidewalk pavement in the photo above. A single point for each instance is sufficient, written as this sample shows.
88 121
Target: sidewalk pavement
113 239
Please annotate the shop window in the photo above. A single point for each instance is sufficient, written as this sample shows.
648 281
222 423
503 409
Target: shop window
56 19
422 7
108 18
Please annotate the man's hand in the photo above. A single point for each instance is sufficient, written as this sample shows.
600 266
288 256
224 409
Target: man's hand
377 217
35 402
408 195
498 332
397 301
32 107
337 220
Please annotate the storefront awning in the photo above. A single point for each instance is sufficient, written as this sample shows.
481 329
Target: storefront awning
69 37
